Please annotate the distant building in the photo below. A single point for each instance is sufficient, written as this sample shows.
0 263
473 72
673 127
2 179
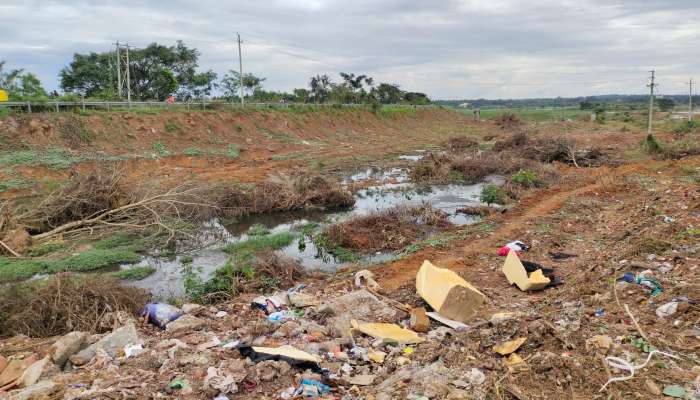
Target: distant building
464 105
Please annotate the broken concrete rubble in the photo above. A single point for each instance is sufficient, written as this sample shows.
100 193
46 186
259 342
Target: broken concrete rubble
185 323
112 344
66 346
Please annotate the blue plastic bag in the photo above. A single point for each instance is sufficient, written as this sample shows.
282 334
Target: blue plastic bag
159 314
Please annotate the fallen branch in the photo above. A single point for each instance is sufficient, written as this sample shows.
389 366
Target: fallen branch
9 249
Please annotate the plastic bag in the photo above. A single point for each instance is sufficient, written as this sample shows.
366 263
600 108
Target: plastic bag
159 314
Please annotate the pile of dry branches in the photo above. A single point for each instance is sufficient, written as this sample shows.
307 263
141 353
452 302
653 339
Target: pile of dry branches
64 303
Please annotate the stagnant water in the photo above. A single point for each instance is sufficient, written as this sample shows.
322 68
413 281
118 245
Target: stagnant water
393 190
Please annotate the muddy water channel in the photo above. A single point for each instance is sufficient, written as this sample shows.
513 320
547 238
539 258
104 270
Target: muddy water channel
389 189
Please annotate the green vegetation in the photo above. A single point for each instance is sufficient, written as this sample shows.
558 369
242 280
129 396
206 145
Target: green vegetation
134 273
159 148
258 230
686 127
53 158
223 282
327 249
193 151
43 249
259 243
14 183
491 194
651 145
110 251
534 114
172 126
233 151
525 177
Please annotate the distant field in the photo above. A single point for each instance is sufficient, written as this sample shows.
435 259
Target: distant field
533 114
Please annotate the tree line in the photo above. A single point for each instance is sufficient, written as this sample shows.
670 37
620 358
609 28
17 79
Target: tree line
158 72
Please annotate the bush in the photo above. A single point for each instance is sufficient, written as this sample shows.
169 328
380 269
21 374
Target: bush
686 127
650 144
525 178
491 194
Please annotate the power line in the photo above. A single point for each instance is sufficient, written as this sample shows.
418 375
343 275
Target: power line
240 70
651 100
690 100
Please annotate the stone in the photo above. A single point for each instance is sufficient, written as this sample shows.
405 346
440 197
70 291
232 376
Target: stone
652 387
300 300
360 305
112 344
362 380
40 370
36 391
475 376
185 323
66 346
419 322
191 308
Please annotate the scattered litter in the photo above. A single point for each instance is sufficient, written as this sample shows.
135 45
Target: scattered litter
160 314
601 342
388 333
231 344
362 380
644 280
666 310
419 321
132 350
178 383
624 365
515 273
516 364
376 356
517 246
475 376
216 380
281 316
291 355
311 388
368 277
456 325
509 347
270 304
221 314
676 391
447 293
555 255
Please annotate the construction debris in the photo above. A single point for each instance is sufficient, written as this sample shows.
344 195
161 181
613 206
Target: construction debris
516 274
447 293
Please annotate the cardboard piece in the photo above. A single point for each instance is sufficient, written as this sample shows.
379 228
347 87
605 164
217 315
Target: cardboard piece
509 347
12 374
447 293
388 333
516 364
287 351
515 273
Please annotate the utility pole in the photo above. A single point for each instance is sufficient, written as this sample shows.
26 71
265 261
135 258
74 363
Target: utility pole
651 100
119 72
690 101
128 77
240 70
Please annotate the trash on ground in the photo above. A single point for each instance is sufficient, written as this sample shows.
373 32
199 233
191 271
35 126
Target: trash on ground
600 342
516 246
509 347
516 364
419 321
666 310
645 280
273 303
291 355
376 356
515 273
366 278
388 333
132 350
362 380
675 391
447 293
281 316
160 314
456 325
218 380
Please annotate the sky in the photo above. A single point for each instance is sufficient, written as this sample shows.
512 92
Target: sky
448 49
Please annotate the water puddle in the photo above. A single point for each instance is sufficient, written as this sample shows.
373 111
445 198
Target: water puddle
166 282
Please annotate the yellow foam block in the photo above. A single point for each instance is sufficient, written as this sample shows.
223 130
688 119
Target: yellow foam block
288 351
515 273
447 293
508 347
388 332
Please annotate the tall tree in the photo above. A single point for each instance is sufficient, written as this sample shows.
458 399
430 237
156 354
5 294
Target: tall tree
21 85
387 93
231 84
156 72
320 88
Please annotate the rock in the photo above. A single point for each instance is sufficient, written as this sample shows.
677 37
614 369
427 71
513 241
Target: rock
432 381
419 322
39 390
300 300
266 371
475 376
185 323
191 308
40 370
458 394
652 387
112 344
66 346
360 305
362 380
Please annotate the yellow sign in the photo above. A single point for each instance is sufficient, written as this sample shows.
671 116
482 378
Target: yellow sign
3 95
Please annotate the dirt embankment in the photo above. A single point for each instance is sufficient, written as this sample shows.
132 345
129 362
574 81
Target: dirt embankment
242 146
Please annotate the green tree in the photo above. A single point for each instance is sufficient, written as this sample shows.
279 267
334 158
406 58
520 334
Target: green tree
416 98
356 85
386 93
231 83
20 85
156 72
301 95
666 104
320 88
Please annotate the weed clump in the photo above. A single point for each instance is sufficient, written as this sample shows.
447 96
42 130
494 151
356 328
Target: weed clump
508 120
651 145
460 143
134 273
492 194
64 303
392 229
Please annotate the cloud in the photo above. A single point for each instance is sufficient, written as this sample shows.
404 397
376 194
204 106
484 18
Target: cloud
446 48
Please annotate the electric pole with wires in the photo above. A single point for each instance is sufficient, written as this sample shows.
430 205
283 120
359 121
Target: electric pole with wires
240 70
651 100
690 100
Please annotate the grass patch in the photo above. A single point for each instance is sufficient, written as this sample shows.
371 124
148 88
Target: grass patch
258 230
172 126
193 151
53 158
492 194
134 274
105 253
160 149
289 156
15 183
43 249
233 151
259 243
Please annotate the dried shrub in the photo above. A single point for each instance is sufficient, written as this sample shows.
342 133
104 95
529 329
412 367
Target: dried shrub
73 130
432 168
283 193
478 210
83 197
515 141
64 303
460 143
508 120
276 271
392 229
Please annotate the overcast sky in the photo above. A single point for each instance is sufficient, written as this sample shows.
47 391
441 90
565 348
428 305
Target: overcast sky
449 49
